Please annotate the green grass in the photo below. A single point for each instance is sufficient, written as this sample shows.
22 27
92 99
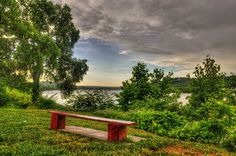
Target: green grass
26 132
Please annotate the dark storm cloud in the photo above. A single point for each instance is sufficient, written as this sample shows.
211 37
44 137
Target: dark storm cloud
167 28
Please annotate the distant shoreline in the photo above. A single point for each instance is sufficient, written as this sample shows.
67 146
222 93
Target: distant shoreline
98 88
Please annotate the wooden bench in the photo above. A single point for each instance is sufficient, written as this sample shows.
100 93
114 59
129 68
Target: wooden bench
117 129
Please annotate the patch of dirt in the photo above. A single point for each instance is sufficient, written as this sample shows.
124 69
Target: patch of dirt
178 150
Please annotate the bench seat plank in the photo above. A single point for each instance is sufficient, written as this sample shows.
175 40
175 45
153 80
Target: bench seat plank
99 119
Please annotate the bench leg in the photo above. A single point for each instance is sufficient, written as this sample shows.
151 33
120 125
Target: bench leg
116 132
58 121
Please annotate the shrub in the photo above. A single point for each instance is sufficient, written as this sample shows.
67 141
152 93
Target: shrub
166 103
158 122
216 110
206 131
231 98
229 141
91 100
46 103
212 109
19 98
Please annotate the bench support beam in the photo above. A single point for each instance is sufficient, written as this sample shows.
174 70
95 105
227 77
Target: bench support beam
116 132
58 121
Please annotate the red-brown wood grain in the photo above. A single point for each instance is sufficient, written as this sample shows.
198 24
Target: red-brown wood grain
117 129
99 119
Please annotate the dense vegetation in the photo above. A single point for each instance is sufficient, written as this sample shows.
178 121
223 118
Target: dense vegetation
150 99
182 83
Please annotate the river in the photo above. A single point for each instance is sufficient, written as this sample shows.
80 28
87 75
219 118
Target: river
56 95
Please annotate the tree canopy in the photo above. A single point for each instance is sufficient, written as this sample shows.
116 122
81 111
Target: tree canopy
145 89
37 39
208 83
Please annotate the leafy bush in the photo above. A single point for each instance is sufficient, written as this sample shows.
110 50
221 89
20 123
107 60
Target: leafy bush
229 141
166 103
231 98
216 110
19 98
91 100
212 109
158 122
206 131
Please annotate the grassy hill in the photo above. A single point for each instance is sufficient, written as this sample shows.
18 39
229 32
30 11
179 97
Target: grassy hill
26 132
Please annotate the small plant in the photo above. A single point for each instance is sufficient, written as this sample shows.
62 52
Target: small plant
46 103
91 100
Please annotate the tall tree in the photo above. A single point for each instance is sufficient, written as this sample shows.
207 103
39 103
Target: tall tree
45 36
152 90
208 83
137 88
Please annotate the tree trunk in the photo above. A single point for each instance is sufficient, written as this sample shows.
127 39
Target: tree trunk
35 88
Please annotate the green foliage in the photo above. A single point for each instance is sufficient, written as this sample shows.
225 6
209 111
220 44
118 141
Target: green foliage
159 122
69 76
209 118
212 109
206 131
181 83
165 103
37 38
126 96
46 103
161 83
17 97
137 88
216 110
3 97
44 86
231 81
209 123
208 83
230 98
113 114
91 100
229 141
146 88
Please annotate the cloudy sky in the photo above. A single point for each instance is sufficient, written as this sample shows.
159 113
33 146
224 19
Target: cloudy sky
174 35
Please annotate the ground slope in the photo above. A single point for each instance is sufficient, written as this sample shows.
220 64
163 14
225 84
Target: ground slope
26 132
